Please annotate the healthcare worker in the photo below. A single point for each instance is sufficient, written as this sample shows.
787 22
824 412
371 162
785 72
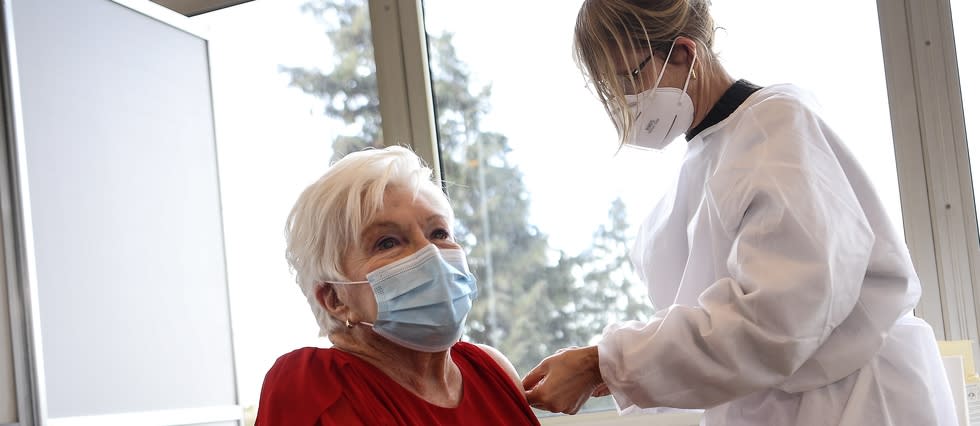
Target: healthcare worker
783 294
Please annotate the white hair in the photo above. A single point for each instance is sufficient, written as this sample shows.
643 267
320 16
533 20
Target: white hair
330 214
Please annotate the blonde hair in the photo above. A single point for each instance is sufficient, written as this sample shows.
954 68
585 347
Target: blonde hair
607 30
330 214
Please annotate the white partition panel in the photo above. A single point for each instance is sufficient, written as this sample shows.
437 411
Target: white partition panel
119 139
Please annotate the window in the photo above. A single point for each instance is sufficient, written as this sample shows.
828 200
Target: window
287 98
843 69
548 206
545 203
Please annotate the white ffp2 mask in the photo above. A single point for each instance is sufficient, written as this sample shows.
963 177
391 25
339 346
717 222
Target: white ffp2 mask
661 114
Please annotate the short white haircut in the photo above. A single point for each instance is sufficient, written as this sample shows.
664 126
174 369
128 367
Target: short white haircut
330 214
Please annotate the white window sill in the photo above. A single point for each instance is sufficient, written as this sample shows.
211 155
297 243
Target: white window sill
613 418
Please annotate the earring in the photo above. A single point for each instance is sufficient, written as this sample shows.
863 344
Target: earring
348 323
694 74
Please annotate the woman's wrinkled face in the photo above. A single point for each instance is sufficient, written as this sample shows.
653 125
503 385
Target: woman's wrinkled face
405 225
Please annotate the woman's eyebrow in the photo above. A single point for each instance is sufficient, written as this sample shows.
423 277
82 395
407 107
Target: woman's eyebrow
437 218
379 227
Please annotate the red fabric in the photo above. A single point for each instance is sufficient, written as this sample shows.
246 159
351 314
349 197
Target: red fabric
312 386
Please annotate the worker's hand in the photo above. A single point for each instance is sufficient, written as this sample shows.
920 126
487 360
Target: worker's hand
601 391
562 383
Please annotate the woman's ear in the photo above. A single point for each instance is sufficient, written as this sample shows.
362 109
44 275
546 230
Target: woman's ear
685 49
327 297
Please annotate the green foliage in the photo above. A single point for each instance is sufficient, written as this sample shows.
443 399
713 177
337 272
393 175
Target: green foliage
350 89
529 306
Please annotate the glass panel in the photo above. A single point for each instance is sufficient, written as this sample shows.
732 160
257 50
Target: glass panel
843 69
548 207
541 196
293 84
967 38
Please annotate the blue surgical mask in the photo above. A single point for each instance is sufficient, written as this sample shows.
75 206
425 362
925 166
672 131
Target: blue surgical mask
423 299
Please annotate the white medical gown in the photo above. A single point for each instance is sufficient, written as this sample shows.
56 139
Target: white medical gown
783 293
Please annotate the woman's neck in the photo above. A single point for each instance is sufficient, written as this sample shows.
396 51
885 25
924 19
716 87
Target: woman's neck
432 376
711 88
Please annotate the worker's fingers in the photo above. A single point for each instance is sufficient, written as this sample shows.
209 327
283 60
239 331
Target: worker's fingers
601 391
559 384
534 376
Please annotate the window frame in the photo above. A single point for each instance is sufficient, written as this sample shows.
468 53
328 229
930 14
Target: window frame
933 162
404 87
16 234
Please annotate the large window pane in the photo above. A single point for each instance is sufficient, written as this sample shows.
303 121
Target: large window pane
548 206
844 69
293 85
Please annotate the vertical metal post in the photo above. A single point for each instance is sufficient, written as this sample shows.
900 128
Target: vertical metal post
402 61
933 160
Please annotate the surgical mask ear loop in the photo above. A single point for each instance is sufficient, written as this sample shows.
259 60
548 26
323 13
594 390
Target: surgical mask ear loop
350 324
347 322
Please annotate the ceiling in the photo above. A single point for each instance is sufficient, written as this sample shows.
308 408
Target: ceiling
197 7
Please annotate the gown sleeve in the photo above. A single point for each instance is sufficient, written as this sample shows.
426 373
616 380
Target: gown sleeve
800 246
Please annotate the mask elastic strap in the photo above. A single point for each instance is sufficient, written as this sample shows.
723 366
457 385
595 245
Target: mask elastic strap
688 80
350 324
346 282
664 68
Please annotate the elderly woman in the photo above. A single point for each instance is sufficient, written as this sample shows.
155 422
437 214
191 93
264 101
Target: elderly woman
372 246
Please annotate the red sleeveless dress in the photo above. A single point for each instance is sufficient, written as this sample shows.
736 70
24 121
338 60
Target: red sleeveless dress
312 386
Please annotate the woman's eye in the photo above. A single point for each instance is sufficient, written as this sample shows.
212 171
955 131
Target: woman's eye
386 243
440 234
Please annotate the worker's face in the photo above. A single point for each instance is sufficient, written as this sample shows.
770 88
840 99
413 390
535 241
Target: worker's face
645 68
631 73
